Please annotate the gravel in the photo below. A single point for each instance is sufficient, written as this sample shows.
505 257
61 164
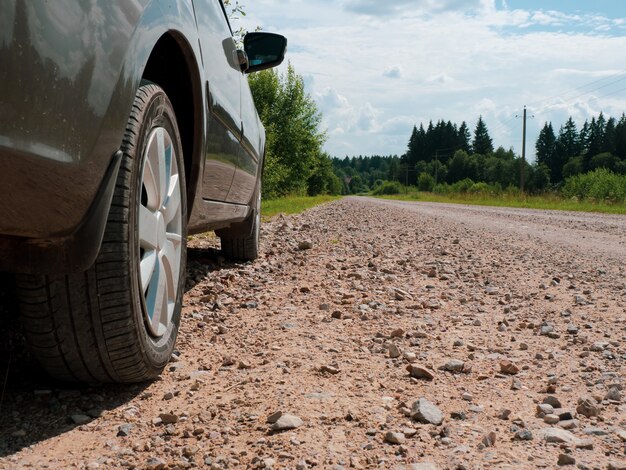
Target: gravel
366 322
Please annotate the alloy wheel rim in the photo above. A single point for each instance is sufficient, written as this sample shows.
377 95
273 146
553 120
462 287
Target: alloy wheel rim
160 231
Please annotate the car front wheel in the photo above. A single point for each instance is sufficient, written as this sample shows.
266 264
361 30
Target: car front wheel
118 321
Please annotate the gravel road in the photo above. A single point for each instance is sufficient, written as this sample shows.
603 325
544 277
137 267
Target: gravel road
369 334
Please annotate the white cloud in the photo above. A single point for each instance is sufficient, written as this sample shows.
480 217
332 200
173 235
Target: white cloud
448 60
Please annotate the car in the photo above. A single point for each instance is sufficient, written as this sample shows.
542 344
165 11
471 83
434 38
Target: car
124 127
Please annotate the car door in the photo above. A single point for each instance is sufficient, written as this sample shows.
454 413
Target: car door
247 171
223 82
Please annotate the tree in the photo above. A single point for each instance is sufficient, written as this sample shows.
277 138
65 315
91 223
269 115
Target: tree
568 146
482 143
545 148
620 138
292 122
464 137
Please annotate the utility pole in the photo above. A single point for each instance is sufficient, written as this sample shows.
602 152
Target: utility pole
521 173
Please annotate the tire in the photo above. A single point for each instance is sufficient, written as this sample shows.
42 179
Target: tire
118 321
241 243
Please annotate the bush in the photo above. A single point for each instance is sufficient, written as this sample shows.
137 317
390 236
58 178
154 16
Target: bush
597 185
462 186
425 182
388 187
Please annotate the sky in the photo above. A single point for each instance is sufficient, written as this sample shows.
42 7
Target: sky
377 68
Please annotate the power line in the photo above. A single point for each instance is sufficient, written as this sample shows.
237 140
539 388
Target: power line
574 98
578 88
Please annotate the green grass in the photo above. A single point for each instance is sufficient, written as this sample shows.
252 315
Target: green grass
292 204
547 202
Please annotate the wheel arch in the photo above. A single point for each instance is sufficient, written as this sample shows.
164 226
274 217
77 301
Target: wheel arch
173 67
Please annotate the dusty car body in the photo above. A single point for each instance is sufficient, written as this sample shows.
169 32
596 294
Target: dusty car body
75 77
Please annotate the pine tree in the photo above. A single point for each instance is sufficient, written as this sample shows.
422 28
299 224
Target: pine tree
464 137
620 138
546 152
482 143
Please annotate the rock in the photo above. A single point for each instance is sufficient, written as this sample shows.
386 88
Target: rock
552 400
516 384
523 435
467 396
544 409
397 333
551 419
155 463
395 437
546 328
426 412
80 419
420 372
394 351
504 413
330 370
613 394
622 435
559 436
423 466
507 367
400 294
616 466
305 245
286 422
168 418
124 430
593 431
566 459
489 440
454 366
587 407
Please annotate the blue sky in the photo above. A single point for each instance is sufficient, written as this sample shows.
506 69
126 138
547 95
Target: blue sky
377 68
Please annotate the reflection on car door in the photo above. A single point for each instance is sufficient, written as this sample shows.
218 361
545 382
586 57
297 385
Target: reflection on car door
223 73
248 164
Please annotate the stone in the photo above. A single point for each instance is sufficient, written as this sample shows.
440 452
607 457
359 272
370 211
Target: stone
454 366
551 419
616 465
489 440
552 400
123 430
305 245
507 367
168 418
80 419
423 466
622 435
395 437
594 431
558 435
155 463
544 409
613 394
523 435
286 422
394 351
588 407
504 414
426 412
420 372
566 459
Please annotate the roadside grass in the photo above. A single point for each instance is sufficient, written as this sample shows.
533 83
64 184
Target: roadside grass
546 202
292 204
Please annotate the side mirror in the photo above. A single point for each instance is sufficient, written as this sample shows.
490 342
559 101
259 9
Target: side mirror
264 50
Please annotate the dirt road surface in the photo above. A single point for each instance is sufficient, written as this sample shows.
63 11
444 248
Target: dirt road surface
369 334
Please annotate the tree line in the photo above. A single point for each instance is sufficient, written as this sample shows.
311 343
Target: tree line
443 153
600 143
